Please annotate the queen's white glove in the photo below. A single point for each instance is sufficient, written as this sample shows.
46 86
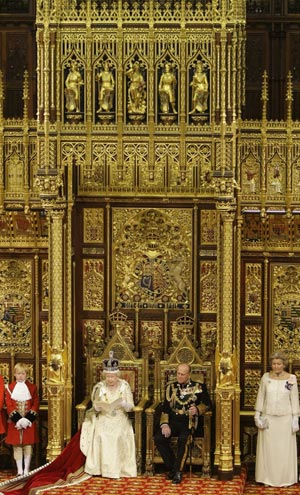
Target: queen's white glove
97 406
295 424
258 421
126 405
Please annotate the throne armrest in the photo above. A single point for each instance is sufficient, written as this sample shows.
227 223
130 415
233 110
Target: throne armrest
81 409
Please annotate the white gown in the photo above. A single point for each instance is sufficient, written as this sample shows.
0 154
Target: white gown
276 453
107 437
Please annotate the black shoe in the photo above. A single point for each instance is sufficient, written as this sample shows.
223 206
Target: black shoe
177 478
170 475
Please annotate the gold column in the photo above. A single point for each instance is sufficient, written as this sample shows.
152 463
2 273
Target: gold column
226 361
56 363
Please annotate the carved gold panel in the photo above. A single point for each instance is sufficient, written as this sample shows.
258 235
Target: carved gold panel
208 338
208 286
18 228
93 336
5 372
208 227
45 285
152 332
253 289
253 344
279 230
93 225
14 173
44 382
285 307
93 284
252 230
251 384
45 337
152 257
276 174
251 173
16 293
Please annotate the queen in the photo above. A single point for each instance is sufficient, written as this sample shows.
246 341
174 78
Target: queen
107 438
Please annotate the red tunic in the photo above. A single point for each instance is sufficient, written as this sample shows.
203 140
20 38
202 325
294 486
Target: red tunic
15 409
2 412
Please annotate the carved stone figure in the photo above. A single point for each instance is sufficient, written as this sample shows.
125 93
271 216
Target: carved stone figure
73 84
136 90
166 88
199 86
106 91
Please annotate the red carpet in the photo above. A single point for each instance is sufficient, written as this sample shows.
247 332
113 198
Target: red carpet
253 488
146 485
65 476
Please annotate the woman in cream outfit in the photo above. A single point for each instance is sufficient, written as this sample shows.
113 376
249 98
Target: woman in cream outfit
276 416
107 437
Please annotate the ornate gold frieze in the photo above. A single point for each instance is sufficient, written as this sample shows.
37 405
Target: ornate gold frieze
140 12
93 284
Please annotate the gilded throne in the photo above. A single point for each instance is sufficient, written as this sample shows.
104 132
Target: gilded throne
134 370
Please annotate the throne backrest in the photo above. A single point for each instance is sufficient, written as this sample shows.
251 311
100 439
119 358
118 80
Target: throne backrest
131 367
185 352
131 372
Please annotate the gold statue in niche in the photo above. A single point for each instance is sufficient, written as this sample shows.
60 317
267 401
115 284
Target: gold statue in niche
199 86
166 88
57 364
106 84
73 85
226 368
136 89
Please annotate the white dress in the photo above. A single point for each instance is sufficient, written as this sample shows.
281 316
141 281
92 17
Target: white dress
276 453
107 437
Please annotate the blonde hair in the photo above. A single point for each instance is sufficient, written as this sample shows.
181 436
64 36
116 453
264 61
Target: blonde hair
280 355
21 367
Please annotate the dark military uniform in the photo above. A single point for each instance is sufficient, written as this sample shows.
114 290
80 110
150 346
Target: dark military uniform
175 412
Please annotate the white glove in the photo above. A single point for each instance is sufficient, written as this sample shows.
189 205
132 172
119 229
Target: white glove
126 405
258 421
96 406
25 423
18 424
295 424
